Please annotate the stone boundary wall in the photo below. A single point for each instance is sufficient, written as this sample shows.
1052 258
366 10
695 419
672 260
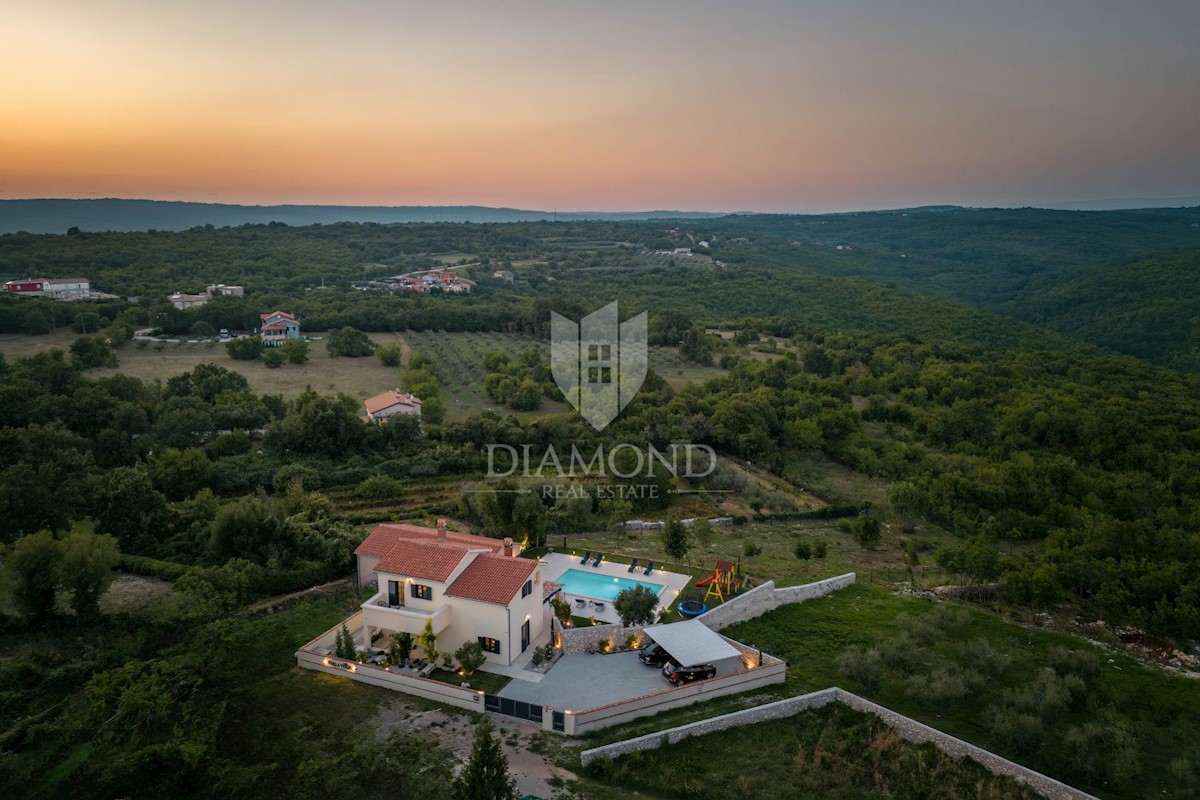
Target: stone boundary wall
773 671
908 729
918 733
767 597
470 699
583 640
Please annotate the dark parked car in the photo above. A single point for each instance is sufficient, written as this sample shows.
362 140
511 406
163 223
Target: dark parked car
653 655
677 674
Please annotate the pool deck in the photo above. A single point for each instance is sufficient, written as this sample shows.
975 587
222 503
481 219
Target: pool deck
558 563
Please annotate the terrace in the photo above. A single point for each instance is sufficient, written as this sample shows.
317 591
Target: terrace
591 590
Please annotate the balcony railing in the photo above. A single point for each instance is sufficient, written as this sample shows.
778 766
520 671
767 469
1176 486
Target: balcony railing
403 619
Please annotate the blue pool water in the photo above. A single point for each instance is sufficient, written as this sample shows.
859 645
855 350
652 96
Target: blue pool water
601 587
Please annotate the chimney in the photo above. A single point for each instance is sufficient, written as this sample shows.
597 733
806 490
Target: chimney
508 543
441 530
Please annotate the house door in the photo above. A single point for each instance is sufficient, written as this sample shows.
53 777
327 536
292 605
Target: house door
393 593
525 636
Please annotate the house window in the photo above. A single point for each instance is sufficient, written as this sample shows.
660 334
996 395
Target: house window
489 644
422 592
527 589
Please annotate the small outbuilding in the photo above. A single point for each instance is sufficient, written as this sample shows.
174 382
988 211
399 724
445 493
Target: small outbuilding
692 643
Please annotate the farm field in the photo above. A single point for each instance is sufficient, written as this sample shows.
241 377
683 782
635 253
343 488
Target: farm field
458 358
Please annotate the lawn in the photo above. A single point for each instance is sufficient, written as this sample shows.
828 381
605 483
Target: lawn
833 753
1159 712
488 682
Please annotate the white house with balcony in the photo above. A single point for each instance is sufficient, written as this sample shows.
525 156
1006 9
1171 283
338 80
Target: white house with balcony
470 588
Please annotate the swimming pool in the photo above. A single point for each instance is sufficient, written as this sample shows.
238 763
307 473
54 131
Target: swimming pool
602 587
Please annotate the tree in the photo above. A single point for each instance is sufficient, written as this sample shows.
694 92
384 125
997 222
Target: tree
702 531
636 606
87 567
343 644
867 531
181 473
273 357
34 567
616 511
427 640
530 520
201 328
562 610
470 657
349 343
389 354
485 775
433 411
126 505
90 352
295 350
675 538
246 348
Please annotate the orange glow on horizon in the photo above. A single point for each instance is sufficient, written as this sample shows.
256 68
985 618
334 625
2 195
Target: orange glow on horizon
542 105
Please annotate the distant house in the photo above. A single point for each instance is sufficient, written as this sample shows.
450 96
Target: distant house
702 244
503 275
58 288
278 327
681 251
389 404
30 287
185 301
221 290
68 288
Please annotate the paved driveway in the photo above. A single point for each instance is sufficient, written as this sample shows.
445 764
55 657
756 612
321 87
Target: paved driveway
582 681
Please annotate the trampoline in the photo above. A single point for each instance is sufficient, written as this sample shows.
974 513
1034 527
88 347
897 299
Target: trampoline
692 608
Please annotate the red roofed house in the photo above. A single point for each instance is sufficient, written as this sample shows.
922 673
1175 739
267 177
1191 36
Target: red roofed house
471 588
388 404
278 327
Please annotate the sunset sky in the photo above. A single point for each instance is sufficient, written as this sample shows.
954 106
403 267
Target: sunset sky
788 105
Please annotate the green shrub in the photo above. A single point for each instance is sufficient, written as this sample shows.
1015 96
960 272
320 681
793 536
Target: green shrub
751 549
863 667
380 487
985 658
803 550
1020 732
1080 663
820 548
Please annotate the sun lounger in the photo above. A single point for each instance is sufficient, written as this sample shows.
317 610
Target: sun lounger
599 606
586 557
580 603
632 566
599 558
649 568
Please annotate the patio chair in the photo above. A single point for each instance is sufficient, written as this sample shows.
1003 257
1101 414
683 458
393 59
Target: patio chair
632 566
649 568
586 557
599 606
599 558
580 603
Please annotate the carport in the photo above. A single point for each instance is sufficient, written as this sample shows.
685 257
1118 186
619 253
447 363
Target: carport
691 643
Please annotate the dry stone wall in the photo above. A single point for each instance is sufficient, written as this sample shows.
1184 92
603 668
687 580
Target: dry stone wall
767 597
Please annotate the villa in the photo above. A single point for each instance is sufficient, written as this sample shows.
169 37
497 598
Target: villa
278 327
469 588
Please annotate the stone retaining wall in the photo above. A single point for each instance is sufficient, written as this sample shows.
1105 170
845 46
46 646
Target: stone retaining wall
767 597
908 729
956 748
584 640
777 710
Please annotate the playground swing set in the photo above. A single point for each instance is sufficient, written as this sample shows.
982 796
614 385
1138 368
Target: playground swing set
722 584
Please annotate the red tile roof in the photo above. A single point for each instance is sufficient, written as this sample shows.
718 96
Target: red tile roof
388 399
493 579
277 314
386 536
430 560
